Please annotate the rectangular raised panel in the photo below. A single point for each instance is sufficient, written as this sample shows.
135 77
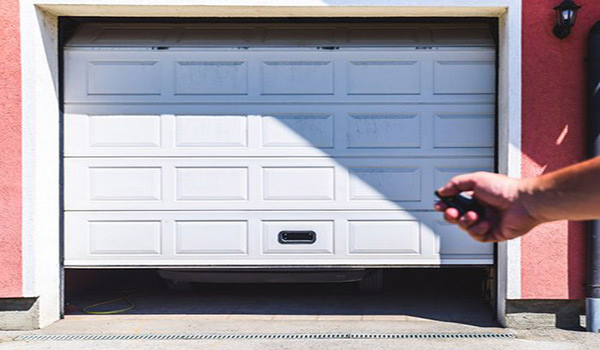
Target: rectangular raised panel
124 131
450 240
384 237
124 237
283 36
211 237
322 245
259 183
443 174
297 131
465 36
212 184
124 184
249 238
306 183
299 36
297 78
392 184
211 130
384 77
123 78
214 35
383 36
211 78
463 131
464 77
122 34
384 131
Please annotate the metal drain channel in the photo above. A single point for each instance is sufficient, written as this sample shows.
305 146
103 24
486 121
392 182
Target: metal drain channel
267 336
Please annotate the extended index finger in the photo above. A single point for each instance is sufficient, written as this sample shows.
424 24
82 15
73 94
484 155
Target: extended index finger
458 184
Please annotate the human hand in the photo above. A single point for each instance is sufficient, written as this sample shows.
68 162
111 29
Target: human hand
506 215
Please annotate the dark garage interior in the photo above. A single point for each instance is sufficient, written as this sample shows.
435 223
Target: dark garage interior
458 295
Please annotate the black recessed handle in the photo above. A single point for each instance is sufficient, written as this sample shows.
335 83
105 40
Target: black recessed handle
297 237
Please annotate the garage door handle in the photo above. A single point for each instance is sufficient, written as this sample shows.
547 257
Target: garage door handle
297 237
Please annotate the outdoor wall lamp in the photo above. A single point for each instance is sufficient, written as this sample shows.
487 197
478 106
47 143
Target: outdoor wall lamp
567 15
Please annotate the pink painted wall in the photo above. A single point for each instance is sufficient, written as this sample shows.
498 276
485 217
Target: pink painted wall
553 259
554 112
10 151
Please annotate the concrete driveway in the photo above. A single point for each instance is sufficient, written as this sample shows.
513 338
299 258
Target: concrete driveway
256 324
409 306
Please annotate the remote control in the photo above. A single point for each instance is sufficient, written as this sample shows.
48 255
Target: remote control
463 204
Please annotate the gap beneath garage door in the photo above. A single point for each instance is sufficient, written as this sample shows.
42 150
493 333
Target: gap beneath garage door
454 295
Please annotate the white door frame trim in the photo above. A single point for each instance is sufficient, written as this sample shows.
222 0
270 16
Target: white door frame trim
42 119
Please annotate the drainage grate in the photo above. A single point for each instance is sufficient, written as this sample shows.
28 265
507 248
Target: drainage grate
269 336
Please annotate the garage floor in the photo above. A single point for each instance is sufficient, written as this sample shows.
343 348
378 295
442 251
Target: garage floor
449 295
414 302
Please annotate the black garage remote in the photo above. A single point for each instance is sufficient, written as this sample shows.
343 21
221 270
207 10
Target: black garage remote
463 204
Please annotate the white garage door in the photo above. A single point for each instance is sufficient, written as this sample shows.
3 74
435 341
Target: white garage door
271 144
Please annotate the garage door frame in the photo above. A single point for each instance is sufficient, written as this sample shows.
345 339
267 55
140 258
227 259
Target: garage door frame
41 115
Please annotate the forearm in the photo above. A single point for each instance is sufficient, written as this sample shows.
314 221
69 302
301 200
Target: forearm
571 193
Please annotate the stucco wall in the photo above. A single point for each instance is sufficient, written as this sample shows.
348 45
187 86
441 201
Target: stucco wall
553 129
10 150
41 120
553 117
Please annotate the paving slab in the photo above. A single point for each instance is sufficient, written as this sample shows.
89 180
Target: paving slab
252 324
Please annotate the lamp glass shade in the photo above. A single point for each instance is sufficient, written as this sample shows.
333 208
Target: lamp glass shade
567 13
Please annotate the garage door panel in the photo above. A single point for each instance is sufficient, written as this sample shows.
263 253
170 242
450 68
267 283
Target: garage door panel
125 184
211 237
124 237
449 34
250 238
306 183
230 34
376 77
211 78
144 34
384 237
259 183
273 144
464 77
297 78
298 130
210 131
280 34
464 131
211 183
277 76
124 131
383 131
386 35
397 184
278 130
450 241
143 77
